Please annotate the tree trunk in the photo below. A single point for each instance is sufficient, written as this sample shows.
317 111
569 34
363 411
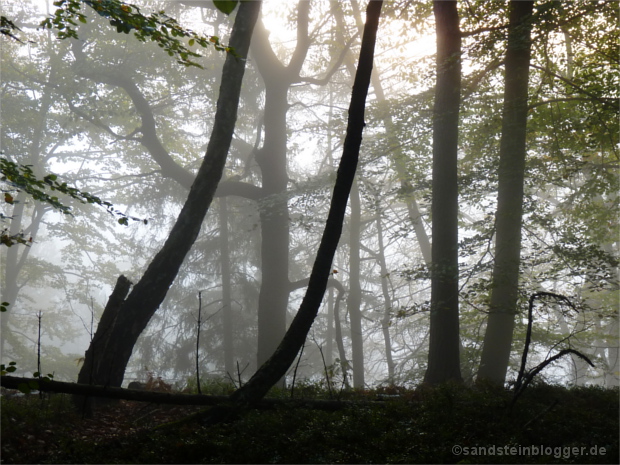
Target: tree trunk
14 261
342 353
387 299
175 398
273 203
227 317
102 341
504 287
354 299
443 356
150 291
329 332
274 223
270 372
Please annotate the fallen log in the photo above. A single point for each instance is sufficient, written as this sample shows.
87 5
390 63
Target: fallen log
15 382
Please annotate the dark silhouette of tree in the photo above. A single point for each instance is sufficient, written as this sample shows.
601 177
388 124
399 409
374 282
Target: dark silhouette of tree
271 371
443 357
508 219
107 366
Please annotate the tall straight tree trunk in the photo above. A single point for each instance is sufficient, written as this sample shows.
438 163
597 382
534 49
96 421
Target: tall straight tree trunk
387 299
504 286
274 223
354 299
443 356
147 295
227 317
329 332
273 202
273 370
342 353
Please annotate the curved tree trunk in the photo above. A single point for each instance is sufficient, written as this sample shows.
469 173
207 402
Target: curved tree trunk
270 372
443 356
146 296
504 286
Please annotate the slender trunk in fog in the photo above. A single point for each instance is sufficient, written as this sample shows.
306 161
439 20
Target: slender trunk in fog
149 292
505 281
17 254
387 299
443 356
329 333
227 317
354 299
342 353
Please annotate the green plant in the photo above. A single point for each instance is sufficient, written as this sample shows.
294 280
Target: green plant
10 369
157 27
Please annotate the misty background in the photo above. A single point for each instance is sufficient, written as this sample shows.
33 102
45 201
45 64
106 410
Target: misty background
119 119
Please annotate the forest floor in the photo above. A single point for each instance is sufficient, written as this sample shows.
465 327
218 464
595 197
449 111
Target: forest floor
446 424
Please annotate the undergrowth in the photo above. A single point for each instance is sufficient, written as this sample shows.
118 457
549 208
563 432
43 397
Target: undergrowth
426 425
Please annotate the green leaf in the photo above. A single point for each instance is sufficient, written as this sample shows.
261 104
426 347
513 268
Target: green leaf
25 388
225 6
10 369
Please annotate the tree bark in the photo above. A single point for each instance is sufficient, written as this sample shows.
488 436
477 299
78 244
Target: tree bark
227 317
504 287
150 291
443 356
101 340
270 372
273 202
342 354
354 299
387 299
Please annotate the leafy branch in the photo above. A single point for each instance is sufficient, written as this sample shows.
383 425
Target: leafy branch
157 27
7 27
16 178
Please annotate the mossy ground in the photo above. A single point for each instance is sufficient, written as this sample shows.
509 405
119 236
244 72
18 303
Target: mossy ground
426 425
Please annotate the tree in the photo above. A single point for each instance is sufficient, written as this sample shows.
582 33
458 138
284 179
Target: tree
508 220
270 372
443 356
354 299
110 354
132 128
